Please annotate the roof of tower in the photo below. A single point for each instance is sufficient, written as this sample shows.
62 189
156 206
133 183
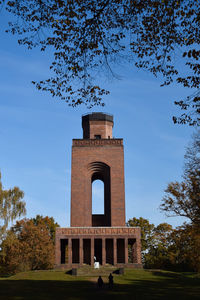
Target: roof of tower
97 116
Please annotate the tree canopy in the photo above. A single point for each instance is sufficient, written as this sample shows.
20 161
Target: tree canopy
89 37
48 222
27 246
164 247
11 206
155 241
146 231
182 198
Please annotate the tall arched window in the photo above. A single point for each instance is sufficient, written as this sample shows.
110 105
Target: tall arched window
101 207
97 197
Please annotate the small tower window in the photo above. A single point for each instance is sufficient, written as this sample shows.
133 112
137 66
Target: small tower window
97 137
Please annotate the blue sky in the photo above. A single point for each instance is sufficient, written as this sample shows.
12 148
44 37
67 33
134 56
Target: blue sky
36 133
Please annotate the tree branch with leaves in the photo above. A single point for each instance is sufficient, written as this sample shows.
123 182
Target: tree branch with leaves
89 38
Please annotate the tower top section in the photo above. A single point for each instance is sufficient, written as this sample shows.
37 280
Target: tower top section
97 126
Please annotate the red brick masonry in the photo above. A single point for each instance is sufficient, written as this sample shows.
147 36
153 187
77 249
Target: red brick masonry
129 237
97 237
108 157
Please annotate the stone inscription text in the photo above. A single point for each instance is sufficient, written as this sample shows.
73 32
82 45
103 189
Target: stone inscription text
99 231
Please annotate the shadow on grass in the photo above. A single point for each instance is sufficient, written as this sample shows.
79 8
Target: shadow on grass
163 288
136 289
46 289
167 274
69 272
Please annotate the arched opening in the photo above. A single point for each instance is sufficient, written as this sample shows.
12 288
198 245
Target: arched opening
97 197
100 173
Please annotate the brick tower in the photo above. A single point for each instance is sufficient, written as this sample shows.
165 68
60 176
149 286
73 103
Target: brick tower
98 156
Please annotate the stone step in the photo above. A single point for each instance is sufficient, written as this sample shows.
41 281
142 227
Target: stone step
90 271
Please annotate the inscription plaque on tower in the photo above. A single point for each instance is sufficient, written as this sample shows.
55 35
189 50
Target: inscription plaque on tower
98 156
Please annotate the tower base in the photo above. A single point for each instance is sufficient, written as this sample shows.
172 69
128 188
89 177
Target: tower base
117 246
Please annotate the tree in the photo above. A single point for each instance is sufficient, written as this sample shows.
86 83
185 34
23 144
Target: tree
192 156
27 247
156 241
146 231
185 248
88 37
147 235
11 206
162 233
170 249
159 253
49 223
182 198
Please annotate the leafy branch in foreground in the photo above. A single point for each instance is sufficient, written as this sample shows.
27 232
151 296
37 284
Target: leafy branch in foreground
90 37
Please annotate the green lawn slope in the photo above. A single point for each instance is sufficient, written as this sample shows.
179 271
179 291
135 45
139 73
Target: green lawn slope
134 284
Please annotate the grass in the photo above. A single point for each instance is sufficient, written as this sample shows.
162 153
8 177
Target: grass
134 284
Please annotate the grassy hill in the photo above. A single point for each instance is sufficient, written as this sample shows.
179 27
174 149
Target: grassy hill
134 284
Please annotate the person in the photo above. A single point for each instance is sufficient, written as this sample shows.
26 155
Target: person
110 283
100 282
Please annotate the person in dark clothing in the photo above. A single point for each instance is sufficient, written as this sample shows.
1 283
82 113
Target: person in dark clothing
110 283
100 282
